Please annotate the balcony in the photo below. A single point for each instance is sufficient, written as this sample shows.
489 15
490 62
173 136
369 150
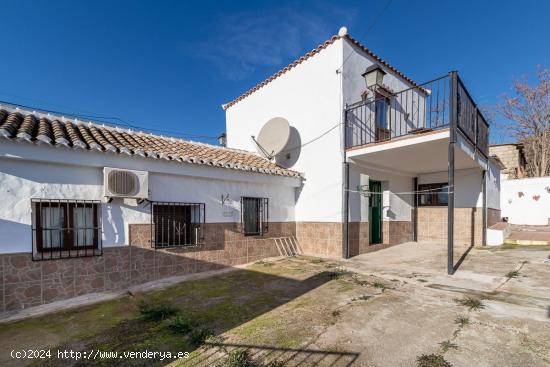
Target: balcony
440 104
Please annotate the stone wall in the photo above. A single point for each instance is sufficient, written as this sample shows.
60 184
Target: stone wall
25 283
510 156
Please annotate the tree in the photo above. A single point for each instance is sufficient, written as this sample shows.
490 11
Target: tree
528 115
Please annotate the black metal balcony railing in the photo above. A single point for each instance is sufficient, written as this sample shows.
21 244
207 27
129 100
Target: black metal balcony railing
423 108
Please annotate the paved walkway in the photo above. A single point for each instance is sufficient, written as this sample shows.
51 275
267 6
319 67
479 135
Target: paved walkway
538 234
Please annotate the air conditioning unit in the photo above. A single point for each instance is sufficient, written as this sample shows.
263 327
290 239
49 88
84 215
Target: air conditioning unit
124 183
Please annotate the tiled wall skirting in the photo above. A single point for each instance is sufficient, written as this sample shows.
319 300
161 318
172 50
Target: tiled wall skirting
320 238
468 224
25 283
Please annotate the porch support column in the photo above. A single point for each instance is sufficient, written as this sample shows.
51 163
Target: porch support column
484 198
451 172
415 211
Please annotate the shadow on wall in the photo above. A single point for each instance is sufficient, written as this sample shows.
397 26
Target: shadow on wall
15 236
114 220
30 283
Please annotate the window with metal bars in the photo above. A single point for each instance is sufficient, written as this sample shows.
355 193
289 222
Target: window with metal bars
254 216
176 224
66 228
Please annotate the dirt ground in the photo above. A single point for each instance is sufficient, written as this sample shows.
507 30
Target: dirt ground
387 308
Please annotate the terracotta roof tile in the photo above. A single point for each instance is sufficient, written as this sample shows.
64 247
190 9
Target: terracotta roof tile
309 55
11 124
27 128
33 127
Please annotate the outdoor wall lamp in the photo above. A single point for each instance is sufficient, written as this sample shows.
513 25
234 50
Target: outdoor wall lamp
374 76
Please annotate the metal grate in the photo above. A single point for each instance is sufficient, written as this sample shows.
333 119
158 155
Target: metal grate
413 110
176 224
64 228
122 182
254 216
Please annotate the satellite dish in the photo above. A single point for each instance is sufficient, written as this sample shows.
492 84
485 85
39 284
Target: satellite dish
273 137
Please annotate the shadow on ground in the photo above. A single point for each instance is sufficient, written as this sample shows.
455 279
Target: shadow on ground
212 305
215 353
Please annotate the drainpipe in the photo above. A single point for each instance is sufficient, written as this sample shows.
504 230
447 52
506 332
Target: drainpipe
345 172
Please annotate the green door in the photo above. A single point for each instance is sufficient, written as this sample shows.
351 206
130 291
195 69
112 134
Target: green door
375 212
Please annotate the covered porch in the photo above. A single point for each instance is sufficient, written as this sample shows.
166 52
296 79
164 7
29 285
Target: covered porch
419 173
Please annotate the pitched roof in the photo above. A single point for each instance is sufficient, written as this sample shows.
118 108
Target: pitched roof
312 53
32 127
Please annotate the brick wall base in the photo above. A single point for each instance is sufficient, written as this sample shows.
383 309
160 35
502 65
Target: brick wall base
320 238
468 224
25 283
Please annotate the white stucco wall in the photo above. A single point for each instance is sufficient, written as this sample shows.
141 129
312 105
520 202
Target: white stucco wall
467 186
396 203
22 179
407 109
520 204
309 97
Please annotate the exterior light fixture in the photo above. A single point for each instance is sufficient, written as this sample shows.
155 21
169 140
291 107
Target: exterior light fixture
374 75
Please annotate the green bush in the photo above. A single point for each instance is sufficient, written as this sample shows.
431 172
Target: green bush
432 360
157 312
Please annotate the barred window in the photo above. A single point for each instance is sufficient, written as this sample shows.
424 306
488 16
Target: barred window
176 224
66 228
254 216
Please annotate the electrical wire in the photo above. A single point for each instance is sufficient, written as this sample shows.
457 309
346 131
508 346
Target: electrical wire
438 190
100 119
368 31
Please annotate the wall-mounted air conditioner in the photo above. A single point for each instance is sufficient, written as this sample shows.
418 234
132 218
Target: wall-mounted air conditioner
124 183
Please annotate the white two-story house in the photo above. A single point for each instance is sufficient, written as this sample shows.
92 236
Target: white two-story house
371 137
371 159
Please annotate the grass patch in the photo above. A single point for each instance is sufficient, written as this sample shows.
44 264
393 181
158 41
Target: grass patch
318 261
156 311
380 285
462 321
337 274
473 304
512 274
239 358
447 345
263 263
362 298
432 360
180 325
242 358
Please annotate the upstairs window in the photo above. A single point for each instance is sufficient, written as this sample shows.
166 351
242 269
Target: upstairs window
382 129
435 194
176 224
65 228
254 216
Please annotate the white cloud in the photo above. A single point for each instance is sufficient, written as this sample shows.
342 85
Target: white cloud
246 41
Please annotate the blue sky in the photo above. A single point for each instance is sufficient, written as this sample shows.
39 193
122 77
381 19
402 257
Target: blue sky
169 65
